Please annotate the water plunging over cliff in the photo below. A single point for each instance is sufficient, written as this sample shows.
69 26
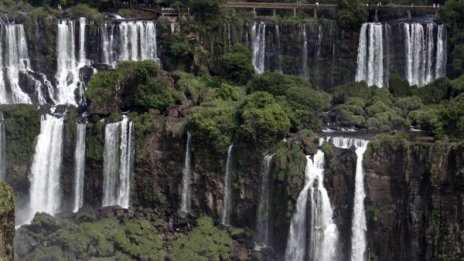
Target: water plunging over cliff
2 147
258 38
323 237
129 41
371 55
45 191
304 53
425 52
227 189
118 163
358 225
68 66
263 221
186 203
79 166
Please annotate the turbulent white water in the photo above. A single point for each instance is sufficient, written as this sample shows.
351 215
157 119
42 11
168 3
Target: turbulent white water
358 225
79 167
425 46
45 190
323 237
263 220
118 163
186 200
370 61
304 53
129 41
258 39
68 65
2 148
227 189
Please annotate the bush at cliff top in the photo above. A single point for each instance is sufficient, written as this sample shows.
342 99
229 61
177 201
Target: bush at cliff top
262 120
352 89
435 92
351 14
236 66
425 118
451 119
398 86
276 83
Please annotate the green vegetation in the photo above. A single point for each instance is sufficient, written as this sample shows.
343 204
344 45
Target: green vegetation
236 66
7 222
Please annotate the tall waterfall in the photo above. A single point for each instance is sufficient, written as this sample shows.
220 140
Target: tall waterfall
263 221
320 34
323 237
79 167
118 163
129 41
258 38
304 53
2 148
358 225
278 48
371 55
68 66
227 189
186 203
45 190
423 63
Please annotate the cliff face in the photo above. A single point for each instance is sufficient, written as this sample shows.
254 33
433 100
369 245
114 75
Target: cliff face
7 222
414 197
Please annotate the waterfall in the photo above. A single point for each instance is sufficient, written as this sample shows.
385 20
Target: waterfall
186 203
79 166
323 237
2 148
278 48
358 225
258 38
320 33
370 62
423 63
68 67
135 41
440 67
304 53
227 189
118 163
229 38
45 190
263 235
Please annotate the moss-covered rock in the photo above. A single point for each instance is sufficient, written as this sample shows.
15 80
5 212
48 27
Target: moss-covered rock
7 222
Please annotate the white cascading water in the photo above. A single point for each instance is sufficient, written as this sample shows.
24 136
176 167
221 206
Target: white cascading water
370 62
186 200
263 220
304 53
45 190
423 63
227 189
79 166
2 148
118 163
136 41
323 237
358 225
68 66
258 38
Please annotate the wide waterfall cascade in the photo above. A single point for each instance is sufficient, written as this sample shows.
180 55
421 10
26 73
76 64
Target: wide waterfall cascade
304 53
79 166
2 148
425 46
118 163
370 60
258 38
323 234
68 65
129 41
358 225
227 189
263 219
186 200
45 190
14 58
